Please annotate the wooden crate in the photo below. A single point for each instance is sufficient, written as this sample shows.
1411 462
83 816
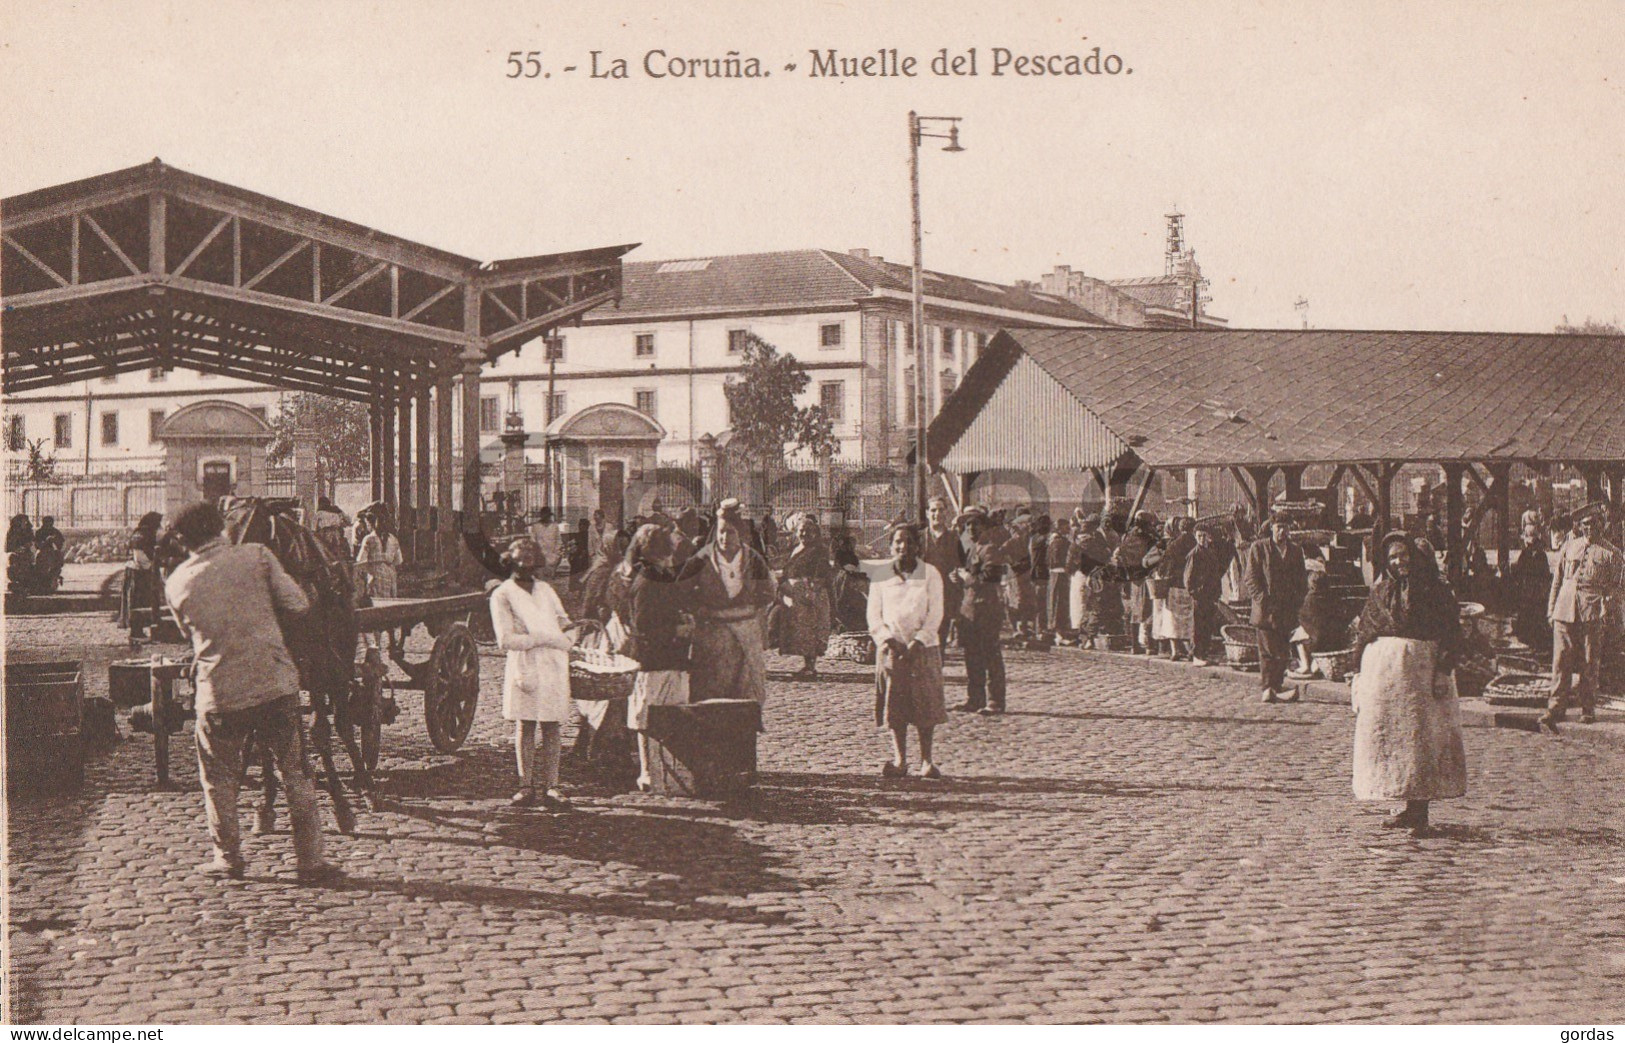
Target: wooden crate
44 711
43 698
705 749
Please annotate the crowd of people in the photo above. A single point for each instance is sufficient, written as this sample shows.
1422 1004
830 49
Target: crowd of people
697 601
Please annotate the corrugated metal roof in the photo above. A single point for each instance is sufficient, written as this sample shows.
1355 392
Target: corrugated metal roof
1028 400
1185 398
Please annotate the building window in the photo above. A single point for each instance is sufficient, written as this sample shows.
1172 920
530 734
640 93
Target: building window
109 429
832 396
490 414
829 335
555 406
950 380
644 345
736 341
948 336
16 433
646 402
155 418
158 373
63 431
909 403
553 349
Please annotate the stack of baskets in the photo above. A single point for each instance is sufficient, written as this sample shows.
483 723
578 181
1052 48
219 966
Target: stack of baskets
1511 689
855 646
1333 666
1240 646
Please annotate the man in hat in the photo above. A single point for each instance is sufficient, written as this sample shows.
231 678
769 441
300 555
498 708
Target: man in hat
227 597
1276 580
1204 579
981 615
1587 595
940 548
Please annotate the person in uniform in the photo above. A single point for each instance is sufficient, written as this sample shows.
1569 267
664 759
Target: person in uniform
1588 591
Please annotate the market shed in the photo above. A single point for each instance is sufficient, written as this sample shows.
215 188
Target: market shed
153 266
1268 403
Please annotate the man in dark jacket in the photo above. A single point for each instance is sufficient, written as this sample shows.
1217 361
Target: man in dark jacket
1277 581
1204 576
981 616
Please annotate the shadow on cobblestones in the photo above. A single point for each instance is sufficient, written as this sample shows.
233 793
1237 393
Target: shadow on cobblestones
1167 718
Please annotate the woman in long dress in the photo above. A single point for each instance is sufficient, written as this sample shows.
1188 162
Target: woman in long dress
1407 732
529 621
805 595
378 559
142 597
905 610
656 637
729 587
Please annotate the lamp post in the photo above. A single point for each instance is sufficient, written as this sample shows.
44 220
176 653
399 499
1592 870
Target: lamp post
916 134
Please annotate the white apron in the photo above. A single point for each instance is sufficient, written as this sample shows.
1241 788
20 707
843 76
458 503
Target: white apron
1407 732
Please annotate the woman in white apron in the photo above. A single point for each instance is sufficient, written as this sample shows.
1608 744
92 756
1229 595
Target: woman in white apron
1407 731
529 622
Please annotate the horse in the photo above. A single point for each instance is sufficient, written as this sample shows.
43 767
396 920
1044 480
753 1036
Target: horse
323 641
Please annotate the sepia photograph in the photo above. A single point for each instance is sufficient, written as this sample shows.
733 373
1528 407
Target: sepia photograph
800 513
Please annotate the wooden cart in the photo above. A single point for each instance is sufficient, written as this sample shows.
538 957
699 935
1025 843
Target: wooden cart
449 678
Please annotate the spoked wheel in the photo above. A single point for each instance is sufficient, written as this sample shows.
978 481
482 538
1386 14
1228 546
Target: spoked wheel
452 688
479 622
366 707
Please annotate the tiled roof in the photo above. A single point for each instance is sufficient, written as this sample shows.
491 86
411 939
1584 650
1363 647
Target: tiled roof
1200 398
803 278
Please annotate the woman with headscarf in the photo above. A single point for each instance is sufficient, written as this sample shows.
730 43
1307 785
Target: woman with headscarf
905 610
1528 585
1407 732
850 588
1176 621
378 557
1096 604
657 636
1129 558
140 603
1056 549
729 587
529 621
805 595
20 552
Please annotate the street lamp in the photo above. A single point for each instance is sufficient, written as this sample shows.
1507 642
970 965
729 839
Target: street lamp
916 134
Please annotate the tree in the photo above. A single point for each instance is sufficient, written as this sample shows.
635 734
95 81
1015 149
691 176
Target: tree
1591 326
41 465
343 436
763 411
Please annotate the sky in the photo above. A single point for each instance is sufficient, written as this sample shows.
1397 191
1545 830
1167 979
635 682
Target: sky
1446 165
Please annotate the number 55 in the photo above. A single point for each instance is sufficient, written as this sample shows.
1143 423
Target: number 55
529 67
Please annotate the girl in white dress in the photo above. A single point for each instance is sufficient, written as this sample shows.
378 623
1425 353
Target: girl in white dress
529 622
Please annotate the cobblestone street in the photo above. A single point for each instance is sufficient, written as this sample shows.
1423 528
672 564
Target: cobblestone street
1127 844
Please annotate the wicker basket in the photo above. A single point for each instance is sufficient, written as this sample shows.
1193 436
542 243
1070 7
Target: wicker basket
855 646
1518 690
1240 646
596 673
1333 666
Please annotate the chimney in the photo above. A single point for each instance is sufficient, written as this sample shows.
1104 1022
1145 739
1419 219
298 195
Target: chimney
860 253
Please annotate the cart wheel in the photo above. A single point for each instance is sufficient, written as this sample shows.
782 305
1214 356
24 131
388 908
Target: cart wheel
366 704
452 688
